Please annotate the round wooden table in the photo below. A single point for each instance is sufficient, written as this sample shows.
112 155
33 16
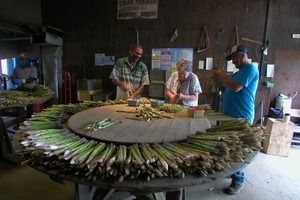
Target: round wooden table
143 189
128 131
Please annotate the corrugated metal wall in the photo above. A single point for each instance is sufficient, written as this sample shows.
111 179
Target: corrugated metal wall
92 27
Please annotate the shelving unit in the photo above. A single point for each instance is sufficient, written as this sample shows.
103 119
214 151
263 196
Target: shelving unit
158 79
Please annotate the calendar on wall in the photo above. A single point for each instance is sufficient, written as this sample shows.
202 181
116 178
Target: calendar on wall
166 58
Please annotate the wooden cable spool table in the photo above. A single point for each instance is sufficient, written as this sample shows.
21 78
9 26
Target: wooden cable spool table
129 131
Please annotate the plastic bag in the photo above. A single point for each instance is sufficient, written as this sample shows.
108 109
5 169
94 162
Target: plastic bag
275 113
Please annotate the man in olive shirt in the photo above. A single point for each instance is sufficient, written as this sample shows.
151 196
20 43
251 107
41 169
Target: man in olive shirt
130 75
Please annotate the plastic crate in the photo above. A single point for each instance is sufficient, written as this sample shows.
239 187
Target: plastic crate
133 102
156 103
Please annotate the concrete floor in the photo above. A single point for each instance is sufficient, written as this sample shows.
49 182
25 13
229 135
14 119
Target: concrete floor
267 177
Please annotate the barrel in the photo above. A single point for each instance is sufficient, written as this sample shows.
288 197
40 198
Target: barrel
283 104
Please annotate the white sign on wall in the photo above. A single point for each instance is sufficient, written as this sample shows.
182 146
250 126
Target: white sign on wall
130 9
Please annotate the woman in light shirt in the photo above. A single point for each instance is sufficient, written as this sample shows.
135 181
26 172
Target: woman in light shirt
183 87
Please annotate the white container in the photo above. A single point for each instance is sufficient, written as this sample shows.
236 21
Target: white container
287 117
283 104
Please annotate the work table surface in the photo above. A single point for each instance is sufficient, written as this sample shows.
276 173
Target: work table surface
127 131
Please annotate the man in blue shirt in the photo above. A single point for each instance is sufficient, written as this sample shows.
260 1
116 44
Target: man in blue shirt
239 97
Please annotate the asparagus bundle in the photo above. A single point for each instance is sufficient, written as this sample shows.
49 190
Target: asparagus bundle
97 125
15 97
146 113
144 100
202 153
171 108
204 107
35 90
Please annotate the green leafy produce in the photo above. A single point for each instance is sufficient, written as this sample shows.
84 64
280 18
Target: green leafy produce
97 125
202 153
35 89
172 108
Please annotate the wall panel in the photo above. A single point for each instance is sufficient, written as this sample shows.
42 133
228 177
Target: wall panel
94 24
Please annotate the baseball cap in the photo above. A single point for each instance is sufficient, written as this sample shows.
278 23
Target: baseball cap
24 55
236 49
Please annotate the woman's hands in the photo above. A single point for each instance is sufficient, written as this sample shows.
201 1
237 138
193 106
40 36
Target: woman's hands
176 97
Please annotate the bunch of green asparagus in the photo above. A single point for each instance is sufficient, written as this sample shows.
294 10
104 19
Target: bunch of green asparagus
35 90
146 113
202 153
144 100
172 108
97 125
16 97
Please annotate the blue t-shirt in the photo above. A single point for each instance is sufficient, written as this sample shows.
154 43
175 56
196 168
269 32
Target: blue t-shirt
241 104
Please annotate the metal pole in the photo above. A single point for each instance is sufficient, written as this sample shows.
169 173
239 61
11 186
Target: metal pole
262 61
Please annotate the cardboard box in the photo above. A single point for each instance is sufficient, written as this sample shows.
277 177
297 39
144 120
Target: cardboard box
195 112
85 95
279 137
101 97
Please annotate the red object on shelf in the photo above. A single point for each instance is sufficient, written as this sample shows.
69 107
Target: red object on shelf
38 107
66 79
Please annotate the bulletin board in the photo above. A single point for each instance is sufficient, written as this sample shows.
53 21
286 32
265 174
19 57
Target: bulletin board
166 58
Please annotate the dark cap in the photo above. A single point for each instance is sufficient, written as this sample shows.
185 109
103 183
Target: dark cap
236 49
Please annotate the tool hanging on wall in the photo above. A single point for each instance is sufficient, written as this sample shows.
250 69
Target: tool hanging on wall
175 35
264 49
237 35
236 32
252 41
204 34
137 36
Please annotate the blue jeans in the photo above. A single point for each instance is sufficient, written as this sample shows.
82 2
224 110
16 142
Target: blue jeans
238 177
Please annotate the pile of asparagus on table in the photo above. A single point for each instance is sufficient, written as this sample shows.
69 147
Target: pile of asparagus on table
25 94
35 89
56 148
15 97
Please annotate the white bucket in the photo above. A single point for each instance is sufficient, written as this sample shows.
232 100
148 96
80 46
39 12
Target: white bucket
283 104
